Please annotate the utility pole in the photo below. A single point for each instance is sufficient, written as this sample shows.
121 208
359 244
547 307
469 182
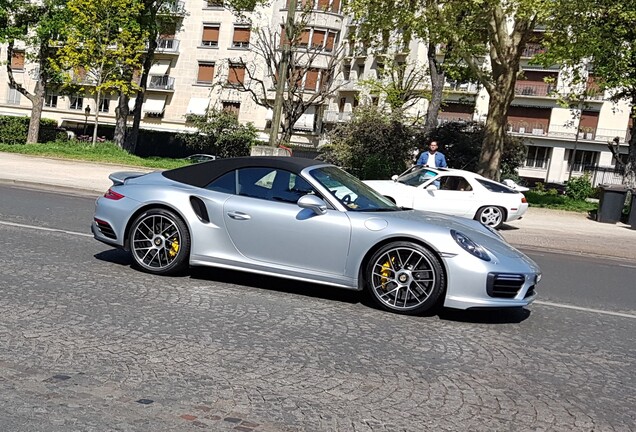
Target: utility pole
282 71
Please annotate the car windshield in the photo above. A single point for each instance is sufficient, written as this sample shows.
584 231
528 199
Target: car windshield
351 192
416 176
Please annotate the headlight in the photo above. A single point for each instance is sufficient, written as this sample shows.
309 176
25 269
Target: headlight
470 246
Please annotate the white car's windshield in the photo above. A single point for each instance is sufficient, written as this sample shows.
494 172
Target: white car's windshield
351 192
416 176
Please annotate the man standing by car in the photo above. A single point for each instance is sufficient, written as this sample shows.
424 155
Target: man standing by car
432 158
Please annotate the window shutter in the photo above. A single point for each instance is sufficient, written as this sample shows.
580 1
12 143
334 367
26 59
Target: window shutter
210 34
206 73
318 39
331 40
241 35
17 60
236 74
311 79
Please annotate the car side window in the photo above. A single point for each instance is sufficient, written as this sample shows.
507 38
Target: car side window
289 187
225 184
256 182
454 183
495 187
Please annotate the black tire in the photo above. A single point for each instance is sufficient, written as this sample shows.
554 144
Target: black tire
405 278
492 216
160 242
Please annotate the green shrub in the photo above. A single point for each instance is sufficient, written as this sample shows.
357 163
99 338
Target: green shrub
14 130
552 192
539 188
579 188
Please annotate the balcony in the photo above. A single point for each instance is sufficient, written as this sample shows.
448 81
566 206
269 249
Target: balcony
336 117
536 89
160 82
526 128
532 49
172 8
465 87
167 46
557 131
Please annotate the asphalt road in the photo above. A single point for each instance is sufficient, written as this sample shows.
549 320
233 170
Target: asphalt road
88 343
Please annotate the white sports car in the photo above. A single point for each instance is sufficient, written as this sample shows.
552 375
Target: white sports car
454 192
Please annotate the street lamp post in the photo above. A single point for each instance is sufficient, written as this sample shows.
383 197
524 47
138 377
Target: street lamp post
87 112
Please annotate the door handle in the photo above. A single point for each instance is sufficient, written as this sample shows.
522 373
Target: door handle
239 215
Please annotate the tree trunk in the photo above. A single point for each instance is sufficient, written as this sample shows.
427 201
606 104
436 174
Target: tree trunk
37 100
96 123
630 166
121 120
437 89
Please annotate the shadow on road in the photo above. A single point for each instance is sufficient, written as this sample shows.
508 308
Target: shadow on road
486 316
480 316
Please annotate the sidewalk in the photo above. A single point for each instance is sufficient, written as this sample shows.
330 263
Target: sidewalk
542 229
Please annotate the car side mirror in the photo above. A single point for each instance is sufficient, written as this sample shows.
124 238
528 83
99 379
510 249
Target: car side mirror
394 177
431 187
312 202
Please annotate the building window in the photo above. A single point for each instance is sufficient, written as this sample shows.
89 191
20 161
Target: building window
76 103
17 60
14 96
215 3
331 41
104 105
206 73
318 39
50 101
241 37
236 75
304 39
537 157
232 107
210 36
584 160
361 71
311 79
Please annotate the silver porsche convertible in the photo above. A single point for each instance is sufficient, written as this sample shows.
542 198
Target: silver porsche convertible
310 221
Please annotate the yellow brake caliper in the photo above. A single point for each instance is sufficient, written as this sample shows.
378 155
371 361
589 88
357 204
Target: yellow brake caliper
174 248
386 272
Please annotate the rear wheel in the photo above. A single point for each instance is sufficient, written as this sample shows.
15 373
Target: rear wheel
491 216
405 277
160 242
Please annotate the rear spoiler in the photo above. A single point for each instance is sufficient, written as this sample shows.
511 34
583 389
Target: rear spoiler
119 177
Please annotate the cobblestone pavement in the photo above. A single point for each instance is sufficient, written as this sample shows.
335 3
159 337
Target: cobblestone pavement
89 344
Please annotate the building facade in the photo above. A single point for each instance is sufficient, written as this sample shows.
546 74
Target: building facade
198 65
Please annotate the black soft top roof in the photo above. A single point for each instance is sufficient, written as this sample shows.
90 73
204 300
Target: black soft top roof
203 173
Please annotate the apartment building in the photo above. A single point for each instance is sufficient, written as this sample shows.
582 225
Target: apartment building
197 66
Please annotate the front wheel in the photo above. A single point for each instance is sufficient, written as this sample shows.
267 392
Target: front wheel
160 242
491 216
405 277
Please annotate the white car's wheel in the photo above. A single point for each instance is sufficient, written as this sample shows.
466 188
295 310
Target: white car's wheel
491 216
405 277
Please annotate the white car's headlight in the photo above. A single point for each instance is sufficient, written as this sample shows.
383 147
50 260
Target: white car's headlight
470 246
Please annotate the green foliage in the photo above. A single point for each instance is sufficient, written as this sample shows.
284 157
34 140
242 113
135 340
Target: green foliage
461 144
579 188
102 40
220 133
558 202
14 130
374 145
108 152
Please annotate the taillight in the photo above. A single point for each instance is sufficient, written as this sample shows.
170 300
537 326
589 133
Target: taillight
524 200
111 194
